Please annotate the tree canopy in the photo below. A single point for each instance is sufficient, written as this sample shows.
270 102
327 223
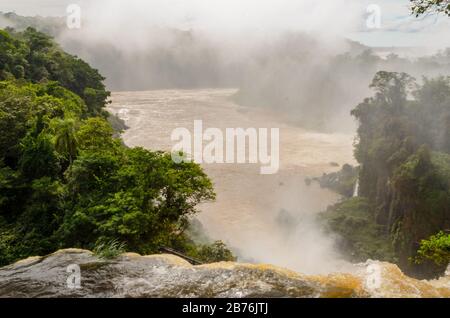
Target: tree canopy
436 248
33 56
404 176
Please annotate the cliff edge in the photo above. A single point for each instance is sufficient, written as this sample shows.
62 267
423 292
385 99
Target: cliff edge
80 273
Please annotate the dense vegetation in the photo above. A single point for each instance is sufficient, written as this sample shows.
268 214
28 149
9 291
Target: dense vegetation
436 249
360 237
403 148
65 181
33 56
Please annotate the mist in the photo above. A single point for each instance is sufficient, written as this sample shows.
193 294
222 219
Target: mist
292 56
169 44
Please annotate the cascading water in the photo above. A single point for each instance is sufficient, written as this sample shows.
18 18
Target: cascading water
356 189
132 275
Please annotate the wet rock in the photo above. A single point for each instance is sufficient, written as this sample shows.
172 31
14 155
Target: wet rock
132 275
342 181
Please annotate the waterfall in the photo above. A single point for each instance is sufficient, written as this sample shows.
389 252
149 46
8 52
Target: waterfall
356 189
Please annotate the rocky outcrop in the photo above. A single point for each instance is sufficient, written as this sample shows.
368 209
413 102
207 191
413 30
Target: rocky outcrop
132 275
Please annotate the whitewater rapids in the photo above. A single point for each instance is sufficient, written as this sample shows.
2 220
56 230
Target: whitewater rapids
132 275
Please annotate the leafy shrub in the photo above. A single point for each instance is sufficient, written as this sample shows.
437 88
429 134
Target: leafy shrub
436 248
109 249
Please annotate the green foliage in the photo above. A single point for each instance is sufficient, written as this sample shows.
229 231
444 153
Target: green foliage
15 113
204 250
403 151
38 157
66 141
109 249
33 56
211 253
360 237
139 197
32 108
95 134
436 248
197 244
65 179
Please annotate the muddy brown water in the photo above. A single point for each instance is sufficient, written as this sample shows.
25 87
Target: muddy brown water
246 214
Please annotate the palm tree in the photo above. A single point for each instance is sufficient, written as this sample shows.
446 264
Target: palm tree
66 142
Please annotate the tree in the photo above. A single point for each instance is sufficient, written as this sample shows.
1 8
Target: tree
435 93
436 248
38 157
66 143
405 167
392 88
141 198
215 252
36 40
96 134
34 56
420 7
15 113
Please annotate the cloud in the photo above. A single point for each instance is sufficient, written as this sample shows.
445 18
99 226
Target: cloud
328 16
110 19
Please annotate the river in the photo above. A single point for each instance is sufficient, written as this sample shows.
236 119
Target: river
247 212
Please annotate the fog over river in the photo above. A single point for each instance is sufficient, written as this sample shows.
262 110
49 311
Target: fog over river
247 214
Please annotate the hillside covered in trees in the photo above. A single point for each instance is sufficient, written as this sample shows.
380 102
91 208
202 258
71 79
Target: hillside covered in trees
403 147
66 181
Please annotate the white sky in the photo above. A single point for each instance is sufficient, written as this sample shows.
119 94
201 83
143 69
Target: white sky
343 17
